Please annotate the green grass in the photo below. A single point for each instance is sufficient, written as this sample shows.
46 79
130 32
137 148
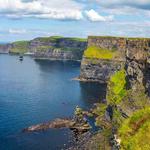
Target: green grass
49 39
77 39
57 38
117 87
20 47
117 37
135 131
99 53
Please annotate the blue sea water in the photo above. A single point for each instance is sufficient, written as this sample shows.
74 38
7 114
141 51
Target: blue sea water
33 92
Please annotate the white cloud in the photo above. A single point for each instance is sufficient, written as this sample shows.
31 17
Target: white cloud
141 4
17 31
129 7
54 9
94 16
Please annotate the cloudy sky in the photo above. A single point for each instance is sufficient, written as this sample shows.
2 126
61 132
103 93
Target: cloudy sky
27 19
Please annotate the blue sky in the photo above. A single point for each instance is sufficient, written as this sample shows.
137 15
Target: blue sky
27 19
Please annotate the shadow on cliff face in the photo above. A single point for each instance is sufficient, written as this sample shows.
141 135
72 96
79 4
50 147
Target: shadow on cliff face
92 92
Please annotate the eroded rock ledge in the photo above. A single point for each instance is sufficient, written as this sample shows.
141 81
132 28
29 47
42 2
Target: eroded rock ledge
78 123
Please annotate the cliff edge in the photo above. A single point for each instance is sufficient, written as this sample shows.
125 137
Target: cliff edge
54 47
106 55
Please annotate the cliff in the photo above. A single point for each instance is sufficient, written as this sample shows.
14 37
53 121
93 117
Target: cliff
103 56
59 48
4 48
124 63
49 47
106 55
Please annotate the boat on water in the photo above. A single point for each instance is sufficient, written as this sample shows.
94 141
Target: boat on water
21 57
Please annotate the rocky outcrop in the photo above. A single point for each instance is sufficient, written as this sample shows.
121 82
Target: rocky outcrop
133 52
78 123
57 123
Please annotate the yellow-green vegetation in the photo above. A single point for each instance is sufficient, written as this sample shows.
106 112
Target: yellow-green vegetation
117 37
134 100
117 118
100 111
49 39
20 47
130 114
115 94
78 110
77 39
99 53
135 131
117 87
57 38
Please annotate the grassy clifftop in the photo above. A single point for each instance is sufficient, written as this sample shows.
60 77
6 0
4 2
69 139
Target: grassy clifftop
107 47
58 38
20 47
117 37
44 44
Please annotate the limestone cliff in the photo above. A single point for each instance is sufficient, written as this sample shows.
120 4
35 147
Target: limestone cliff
105 55
108 56
49 47
59 48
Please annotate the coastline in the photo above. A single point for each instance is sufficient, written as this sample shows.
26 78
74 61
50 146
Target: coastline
87 80
54 59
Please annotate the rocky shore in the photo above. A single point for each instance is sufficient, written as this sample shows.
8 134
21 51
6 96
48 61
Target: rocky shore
78 123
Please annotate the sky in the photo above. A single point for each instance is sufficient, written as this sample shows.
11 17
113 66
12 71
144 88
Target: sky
27 19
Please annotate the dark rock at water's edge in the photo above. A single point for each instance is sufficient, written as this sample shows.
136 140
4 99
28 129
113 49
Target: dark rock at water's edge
78 123
57 124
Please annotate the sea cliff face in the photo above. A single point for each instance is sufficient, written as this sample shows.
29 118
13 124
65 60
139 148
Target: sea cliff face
59 48
138 64
4 48
106 55
49 47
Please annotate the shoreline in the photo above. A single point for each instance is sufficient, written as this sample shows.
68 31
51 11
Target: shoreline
40 58
88 80
55 59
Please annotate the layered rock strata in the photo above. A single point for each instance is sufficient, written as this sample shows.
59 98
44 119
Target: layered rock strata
134 53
